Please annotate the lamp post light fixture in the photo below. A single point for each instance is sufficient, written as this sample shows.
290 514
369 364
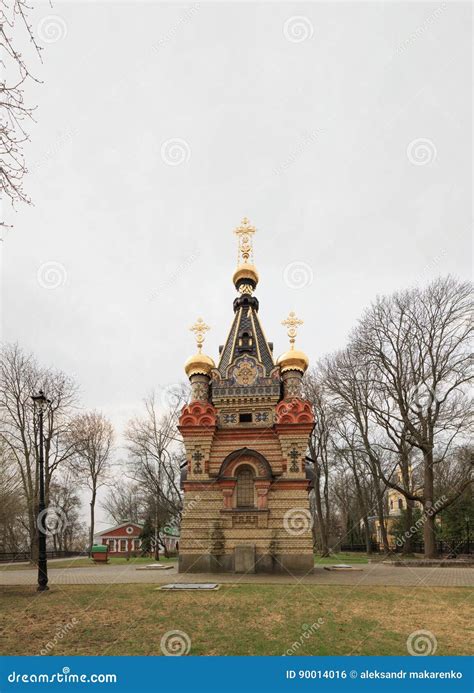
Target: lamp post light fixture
41 404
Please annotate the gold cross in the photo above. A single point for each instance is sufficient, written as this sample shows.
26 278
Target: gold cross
244 233
199 328
292 323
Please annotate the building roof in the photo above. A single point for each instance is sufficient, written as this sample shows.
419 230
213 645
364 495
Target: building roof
127 523
246 336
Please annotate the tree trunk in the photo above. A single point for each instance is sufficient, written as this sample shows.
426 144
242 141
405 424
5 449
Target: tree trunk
429 520
368 538
381 518
407 547
33 532
91 531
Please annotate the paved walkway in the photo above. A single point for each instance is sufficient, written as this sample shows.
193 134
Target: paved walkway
365 575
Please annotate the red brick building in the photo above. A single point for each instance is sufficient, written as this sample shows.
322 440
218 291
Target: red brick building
125 538
121 539
246 431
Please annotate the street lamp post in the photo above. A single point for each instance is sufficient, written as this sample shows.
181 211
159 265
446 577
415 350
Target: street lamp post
41 403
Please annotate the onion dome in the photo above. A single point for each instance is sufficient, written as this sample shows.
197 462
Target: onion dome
245 274
293 360
199 364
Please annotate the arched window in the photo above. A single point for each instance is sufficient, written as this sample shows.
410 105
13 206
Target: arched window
245 341
400 504
245 487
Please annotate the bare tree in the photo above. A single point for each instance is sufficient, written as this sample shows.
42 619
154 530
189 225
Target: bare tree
68 530
319 454
415 344
20 377
155 458
124 501
350 387
14 111
91 436
13 535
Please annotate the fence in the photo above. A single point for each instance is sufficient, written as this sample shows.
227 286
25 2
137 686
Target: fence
18 557
443 548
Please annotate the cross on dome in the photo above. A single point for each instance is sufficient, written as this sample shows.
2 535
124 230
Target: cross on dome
199 328
292 323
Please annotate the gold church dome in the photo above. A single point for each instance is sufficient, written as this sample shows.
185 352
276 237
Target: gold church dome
199 364
245 272
293 360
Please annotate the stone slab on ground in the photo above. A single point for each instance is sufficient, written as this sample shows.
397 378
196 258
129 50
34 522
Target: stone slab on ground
203 586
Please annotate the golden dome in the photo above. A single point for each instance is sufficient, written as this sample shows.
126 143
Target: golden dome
199 364
245 271
293 360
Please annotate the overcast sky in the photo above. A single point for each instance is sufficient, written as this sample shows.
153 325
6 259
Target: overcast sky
343 131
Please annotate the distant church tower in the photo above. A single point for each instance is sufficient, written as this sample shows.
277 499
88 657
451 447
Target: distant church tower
246 432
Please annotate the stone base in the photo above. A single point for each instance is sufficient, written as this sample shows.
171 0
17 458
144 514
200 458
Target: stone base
288 564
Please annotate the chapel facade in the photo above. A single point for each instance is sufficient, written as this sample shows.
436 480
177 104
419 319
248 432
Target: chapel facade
245 431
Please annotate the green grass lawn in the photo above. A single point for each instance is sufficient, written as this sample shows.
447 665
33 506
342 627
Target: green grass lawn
234 620
87 563
336 558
